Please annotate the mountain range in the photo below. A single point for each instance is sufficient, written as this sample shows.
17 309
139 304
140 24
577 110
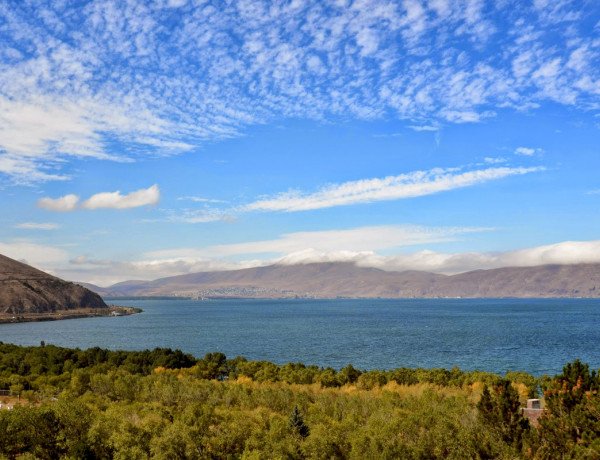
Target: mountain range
343 279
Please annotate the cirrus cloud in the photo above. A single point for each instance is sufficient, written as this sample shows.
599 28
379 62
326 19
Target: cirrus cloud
409 185
37 226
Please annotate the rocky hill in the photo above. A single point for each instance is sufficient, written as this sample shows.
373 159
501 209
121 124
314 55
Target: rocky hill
327 280
24 289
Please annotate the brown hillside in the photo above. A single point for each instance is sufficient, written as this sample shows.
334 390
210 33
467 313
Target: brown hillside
24 289
327 280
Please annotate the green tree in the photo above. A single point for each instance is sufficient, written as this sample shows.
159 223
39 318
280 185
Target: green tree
500 410
570 428
485 404
297 423
349 374
212 366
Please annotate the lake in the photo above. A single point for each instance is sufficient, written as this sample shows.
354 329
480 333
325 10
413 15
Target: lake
538 336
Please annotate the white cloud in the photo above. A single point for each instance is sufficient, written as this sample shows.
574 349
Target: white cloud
384 135
296 249
111 200
37 226
424 128
494 160
107 272
363 246
345 240
356 239
404 186
26 170
410 185
199 199
202 216
172 262
527 151
568 252
37 255
176 3
36 133
27 129
367 40
564 253
114 200
462 116
335 244
557 11
63 204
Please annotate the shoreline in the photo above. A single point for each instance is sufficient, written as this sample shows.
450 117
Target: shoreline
181 297
110 311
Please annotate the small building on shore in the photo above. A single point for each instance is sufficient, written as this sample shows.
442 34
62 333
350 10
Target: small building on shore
533 411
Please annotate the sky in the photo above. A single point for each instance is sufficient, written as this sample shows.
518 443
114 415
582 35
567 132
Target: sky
142 139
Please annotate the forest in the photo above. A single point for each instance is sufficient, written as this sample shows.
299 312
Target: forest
163 403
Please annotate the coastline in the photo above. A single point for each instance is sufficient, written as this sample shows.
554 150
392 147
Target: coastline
111 311
316 297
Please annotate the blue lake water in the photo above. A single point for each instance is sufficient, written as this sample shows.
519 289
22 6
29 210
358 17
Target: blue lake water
537 336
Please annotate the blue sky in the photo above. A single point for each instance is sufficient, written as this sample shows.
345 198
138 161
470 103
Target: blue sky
141 139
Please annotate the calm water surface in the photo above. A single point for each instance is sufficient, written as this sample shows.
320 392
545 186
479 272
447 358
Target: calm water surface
536 336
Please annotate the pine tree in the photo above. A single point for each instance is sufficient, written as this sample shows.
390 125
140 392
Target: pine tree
297 423
485 405
571 424
501 410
